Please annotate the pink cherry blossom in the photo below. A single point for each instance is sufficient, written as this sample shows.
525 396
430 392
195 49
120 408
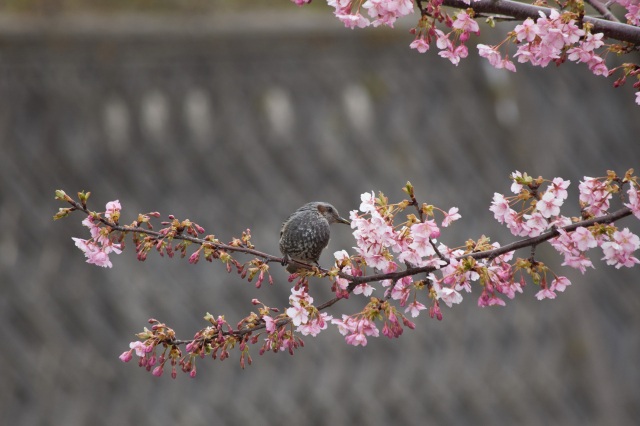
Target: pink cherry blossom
420 44
465 23
516 187
447 295
455 54
634 199
425 230
368 200
353 20
527 31
387 11
364 289
595 195
618 251
545 293
549 205
634 14
112 208
451 216
415 307
345 325
490 53
270 323
140 348
560 284
500 207
577 261
559 187
315 326
583 239
535 224
298 315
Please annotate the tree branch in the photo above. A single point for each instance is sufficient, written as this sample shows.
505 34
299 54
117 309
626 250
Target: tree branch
603 9
354 281
522 11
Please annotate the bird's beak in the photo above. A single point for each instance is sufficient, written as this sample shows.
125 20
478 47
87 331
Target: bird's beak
343 220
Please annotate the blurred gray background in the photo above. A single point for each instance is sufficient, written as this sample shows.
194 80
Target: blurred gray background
234 120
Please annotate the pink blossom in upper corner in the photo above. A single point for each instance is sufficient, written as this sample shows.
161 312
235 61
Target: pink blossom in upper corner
619 250
634 199
386 12
634 13
420 44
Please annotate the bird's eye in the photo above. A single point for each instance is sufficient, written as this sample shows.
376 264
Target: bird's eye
330 209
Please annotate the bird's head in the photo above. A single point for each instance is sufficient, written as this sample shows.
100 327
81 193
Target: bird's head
330 213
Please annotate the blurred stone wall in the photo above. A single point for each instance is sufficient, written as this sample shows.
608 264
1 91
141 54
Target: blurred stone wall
235 121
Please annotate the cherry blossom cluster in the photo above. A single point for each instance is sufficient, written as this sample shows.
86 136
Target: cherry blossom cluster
451 44
633 10
558 37
383 12
540 212
550 39
102 243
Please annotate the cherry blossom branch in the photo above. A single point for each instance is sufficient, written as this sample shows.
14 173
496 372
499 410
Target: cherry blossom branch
522 11
493 253
559 35
383 246
159 235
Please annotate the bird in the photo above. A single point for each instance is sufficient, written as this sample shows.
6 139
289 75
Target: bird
306 233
